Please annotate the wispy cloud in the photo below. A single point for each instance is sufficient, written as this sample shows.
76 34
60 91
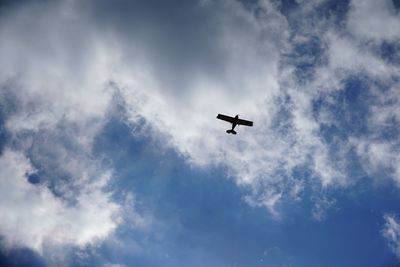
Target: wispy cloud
391 231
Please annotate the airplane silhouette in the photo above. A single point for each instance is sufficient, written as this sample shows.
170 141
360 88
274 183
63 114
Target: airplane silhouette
235 121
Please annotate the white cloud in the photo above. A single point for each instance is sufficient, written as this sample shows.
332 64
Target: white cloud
391 231
354 57
321 206
374 20
352 52
55 74
379 158
32 216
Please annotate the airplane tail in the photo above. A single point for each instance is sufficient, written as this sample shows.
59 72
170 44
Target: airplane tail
231 132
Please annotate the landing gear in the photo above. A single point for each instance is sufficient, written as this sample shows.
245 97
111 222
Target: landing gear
230 132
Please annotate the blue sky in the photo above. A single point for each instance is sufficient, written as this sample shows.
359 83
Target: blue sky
111 155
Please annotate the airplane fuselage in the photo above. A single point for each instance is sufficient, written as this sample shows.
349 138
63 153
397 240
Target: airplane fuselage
234 123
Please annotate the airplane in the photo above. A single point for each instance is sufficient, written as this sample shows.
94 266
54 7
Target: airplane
235 121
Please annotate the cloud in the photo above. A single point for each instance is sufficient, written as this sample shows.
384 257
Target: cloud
53 66
350 53
32 216
374 20
251 81
321 206
54 83
391 231
175 84
174 67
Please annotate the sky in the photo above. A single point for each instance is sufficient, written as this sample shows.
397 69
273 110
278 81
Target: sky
111 154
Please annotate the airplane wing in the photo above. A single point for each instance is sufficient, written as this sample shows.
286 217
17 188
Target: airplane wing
244 122
225 118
